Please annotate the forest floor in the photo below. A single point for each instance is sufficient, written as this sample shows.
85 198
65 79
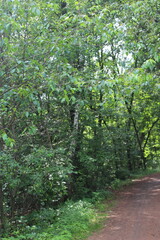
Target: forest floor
137 212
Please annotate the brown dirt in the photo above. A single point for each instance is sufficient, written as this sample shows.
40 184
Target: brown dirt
137 214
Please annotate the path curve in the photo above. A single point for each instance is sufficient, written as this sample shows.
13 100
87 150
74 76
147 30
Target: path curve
137 214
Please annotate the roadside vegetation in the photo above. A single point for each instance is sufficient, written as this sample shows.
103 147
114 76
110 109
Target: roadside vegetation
74 220
79 110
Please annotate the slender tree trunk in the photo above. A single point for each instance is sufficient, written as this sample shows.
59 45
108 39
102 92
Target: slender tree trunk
74 114
128 138
74 146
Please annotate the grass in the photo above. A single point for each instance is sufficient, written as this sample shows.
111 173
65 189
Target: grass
118 184
139 174
73 220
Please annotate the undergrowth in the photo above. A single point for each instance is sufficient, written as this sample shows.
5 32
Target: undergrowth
140 173
73 220
119 183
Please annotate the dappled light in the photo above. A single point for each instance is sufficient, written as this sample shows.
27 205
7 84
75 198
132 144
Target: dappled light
79 115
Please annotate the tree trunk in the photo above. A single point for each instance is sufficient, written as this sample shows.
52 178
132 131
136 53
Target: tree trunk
74 146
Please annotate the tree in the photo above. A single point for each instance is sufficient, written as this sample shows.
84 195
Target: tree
79 98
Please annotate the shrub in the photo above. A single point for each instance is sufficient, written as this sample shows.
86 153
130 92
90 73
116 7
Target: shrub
122 174
72 221
101 195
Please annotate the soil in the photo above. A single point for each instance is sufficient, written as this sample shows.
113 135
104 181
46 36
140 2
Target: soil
137 213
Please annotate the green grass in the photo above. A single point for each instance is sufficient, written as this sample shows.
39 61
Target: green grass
140 173
118 184
74 220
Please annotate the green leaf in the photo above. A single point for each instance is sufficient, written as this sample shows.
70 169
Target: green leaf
32 130
8 141
27 114
149 64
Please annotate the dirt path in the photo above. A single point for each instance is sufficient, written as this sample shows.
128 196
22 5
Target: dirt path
137 215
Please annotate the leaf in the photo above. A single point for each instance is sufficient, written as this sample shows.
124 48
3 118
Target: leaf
73 99
27 114
149 64
36 11
4 136
8 141
32 130
19 61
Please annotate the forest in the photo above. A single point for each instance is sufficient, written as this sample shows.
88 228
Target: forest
79 102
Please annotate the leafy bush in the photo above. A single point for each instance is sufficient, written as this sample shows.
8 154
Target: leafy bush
72 221
101 195
122 174
42 218
116 184
47 173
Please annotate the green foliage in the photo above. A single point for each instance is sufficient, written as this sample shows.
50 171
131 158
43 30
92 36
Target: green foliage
41 218
101 195
140 173
73 221
118 184
122 174
79 99
47 173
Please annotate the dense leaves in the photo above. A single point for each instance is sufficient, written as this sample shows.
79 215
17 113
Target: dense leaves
79 99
